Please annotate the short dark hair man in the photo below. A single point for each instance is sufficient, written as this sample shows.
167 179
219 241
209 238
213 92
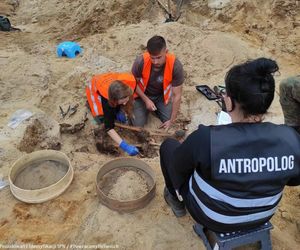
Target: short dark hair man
160 78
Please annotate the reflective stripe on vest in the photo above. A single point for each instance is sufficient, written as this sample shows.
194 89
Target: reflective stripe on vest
94 100
168 75
99 86
142 83
236 202
230 219
168 93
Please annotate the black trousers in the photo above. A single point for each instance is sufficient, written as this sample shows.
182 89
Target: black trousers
166 151
167 162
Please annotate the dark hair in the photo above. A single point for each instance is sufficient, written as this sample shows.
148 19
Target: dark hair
156 44
252 85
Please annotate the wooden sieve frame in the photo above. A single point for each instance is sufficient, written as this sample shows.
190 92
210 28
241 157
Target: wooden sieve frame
46 193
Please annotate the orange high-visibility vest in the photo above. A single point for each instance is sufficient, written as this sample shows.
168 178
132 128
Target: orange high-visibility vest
168 75
99 86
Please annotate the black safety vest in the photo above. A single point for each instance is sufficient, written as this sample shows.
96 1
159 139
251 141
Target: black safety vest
250 165
254 156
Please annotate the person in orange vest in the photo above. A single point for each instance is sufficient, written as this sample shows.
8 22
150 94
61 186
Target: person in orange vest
160 78
108 96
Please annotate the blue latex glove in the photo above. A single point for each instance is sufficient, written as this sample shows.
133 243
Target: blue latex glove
129 149
121 117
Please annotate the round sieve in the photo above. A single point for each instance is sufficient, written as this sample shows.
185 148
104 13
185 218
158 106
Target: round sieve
128 205
41 194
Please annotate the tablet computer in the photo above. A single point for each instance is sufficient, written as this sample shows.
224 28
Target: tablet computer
207 92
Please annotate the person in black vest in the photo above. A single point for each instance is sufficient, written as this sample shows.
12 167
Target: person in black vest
231 177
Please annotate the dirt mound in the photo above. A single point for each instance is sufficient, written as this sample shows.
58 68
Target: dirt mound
40 133
93 19
77 19
7 7
260 22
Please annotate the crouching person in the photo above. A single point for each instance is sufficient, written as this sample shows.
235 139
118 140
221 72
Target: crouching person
231 177
110 98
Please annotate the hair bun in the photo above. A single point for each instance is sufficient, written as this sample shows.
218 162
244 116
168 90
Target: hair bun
265 66
252 85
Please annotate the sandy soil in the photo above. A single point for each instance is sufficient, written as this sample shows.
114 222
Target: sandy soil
124 184
112 33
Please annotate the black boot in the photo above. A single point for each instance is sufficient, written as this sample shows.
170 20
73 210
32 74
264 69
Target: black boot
177 206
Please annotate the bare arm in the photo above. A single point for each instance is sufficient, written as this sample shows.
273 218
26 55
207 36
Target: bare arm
177 92
141 94
115 136
129 149
149 104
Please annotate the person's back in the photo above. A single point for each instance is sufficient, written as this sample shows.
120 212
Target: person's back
263 157
240 172
231 177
